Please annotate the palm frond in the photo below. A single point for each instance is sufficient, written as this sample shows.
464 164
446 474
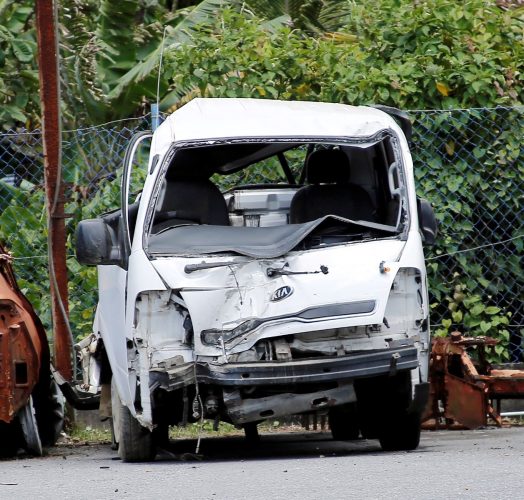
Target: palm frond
316 16
79 68
203 13
114 26
335 14
267 9
272 25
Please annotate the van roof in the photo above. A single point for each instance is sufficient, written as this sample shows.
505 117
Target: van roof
222 118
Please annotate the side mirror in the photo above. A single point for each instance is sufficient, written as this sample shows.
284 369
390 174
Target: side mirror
96 243
427 221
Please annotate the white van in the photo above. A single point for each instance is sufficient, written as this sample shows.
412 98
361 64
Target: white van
272 265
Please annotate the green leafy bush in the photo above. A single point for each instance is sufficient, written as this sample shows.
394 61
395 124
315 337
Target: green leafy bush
23 229
468 311
18 73
422 55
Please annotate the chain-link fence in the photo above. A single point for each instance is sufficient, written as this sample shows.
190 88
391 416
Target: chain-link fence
468 163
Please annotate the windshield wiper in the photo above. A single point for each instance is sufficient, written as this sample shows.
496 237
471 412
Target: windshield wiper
273 271
191 268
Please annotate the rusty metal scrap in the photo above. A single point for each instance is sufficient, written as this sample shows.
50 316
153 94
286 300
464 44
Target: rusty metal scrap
31 408
23 345
462 390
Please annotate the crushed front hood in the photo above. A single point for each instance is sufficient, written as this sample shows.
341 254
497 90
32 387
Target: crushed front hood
353 292
257 242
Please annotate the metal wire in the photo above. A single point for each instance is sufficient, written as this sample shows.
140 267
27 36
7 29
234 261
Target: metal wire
487 245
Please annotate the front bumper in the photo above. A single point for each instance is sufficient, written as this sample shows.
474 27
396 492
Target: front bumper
352 366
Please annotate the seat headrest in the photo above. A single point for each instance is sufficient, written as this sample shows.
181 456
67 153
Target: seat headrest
327 166
198 200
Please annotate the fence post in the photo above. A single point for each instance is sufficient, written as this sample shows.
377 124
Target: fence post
155 117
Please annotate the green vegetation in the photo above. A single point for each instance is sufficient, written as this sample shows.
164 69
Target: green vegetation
436 54
18 72
468 165
205 429
86 435
432 54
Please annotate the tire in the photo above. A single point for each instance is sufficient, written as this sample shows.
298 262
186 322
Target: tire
403 434
50 414
343 421
11 438
38 424
116 407
27 418
400 428
251 433
135 443
114 440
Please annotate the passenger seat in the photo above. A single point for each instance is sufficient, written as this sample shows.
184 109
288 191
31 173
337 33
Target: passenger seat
329 191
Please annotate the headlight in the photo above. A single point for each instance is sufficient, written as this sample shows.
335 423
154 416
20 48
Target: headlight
215 336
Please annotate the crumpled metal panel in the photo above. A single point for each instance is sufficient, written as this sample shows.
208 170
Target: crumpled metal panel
23 344
466 402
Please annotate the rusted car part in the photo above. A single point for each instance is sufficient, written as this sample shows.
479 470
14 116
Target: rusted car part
31 408
463 391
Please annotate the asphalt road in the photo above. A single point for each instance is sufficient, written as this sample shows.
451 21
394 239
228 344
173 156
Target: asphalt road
448 464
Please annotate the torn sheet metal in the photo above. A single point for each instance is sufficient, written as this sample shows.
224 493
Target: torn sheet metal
23 346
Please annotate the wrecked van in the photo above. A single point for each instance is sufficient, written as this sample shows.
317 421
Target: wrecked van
271 265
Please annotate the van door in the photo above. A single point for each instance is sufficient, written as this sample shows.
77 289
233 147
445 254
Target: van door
112 280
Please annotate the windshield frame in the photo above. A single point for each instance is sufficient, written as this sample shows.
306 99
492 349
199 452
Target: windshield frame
405 219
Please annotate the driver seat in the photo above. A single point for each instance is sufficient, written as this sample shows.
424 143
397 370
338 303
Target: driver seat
191 201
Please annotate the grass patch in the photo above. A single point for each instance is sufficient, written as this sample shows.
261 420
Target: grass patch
86 435
205 429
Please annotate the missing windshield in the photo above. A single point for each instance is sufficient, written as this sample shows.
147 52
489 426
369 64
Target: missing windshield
354 188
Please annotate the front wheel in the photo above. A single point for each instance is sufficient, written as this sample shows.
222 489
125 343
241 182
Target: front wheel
11 438
402 433
400 429
343 422
49 406
135 443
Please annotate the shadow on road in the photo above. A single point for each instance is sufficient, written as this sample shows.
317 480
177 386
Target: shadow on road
270 446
